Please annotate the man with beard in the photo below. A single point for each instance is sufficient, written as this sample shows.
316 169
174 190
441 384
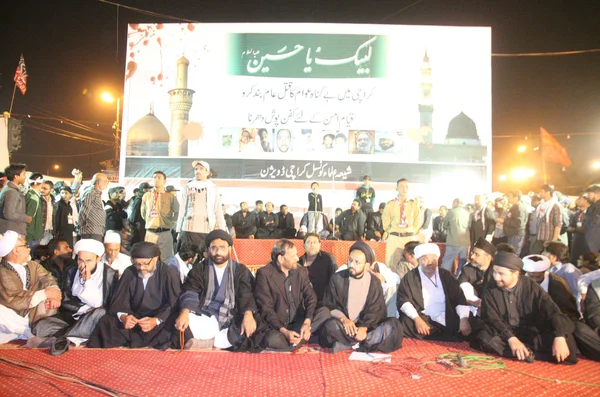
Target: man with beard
439 230
430 302
113 256
375 225
477 274
87 290
284 140
135 219
217 305
142 312
268 223
243 222
482 222
286 300
592 219
352 223
115 209
536 268
321 265
363 142
286 222
520 320
578 245
358 311
60 260
556 252
549 219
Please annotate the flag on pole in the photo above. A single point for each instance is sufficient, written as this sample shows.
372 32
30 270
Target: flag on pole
552 150
21 76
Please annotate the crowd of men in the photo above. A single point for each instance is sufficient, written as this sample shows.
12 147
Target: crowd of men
158 271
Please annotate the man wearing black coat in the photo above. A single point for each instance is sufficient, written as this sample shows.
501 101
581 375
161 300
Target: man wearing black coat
374 224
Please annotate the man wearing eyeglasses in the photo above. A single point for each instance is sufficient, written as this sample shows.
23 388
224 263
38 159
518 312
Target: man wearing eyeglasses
217 305
142 311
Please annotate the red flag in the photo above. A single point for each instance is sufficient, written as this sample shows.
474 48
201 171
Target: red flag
552 150
21 76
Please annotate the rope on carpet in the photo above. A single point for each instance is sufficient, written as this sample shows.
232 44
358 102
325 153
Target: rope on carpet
43 371
459 364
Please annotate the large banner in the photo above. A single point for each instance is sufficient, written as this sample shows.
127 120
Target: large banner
274 107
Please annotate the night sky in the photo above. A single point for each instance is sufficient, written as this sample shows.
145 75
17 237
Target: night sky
76 46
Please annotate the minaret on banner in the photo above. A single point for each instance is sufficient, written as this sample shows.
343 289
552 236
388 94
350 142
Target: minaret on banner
426 105
180 104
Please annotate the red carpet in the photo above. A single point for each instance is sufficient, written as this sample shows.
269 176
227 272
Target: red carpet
148 372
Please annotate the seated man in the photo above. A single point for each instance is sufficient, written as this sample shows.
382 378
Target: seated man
313 222
142 312
286 301
374 224
217 305
537 268
520 320
591 311
558 253
113 256
268 223
87 292
28 292
320 264
352 223
476 274
408 261
358 313
244 222
184 259
60 259
286 222
430 302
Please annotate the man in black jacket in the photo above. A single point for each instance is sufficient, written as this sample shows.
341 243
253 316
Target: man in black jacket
286 301
358 311
217 305
482 222
244 222
374 224
286 222
60 259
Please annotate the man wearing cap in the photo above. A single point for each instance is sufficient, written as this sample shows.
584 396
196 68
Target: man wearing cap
286 301
136 222
537 268
33 208
87 292
591 310
142 311
430 302
400 220
374 225
12 201
366 195
217 305
358 311
201 210
28 292
92 217
476 275
160 210
112 253
520 320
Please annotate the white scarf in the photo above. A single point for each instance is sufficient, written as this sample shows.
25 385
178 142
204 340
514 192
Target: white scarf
91 293
545 208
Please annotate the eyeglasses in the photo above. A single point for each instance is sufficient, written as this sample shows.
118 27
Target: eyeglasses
218 248
141 264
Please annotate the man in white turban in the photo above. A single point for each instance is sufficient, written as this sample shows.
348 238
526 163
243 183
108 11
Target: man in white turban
88 290
27 291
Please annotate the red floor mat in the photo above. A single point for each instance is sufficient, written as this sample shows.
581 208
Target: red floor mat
149 372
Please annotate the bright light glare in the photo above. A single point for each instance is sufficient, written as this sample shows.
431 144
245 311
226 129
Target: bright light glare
56 166
596 165
107 97
520 174
521 148
502 178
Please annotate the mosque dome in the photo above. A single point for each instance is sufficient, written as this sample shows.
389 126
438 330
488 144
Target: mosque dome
462 131
148 129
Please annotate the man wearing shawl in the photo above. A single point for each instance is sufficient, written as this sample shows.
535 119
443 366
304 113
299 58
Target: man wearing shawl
217 305
520 319
142 311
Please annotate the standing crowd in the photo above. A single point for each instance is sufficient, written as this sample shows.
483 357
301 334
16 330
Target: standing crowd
516 277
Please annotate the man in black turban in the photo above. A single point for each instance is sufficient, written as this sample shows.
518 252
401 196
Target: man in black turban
142 311
520 320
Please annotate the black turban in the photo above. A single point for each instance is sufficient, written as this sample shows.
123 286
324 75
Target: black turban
485 245
366 249
144 249
508 260
215 234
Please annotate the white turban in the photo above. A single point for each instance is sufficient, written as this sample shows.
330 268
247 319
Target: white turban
536 263
112 238
89 245
8 242
425 249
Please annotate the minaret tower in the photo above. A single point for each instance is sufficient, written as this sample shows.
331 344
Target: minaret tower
180 104
426 103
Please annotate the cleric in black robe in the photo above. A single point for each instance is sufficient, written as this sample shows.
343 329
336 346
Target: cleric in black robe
142 312
520 319
536 267
217 305
477 273
358 311
430 302
286 301
87 290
